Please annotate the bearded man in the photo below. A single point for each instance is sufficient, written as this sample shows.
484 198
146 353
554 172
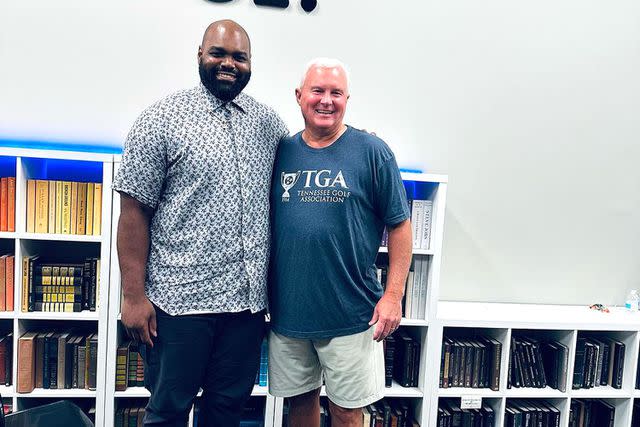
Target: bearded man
193 236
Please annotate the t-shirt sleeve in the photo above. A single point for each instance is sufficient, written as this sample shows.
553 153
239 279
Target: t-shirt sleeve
391 197
143 168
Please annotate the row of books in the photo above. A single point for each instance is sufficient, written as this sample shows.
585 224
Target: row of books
8 203
529 412
421 214
414 302
60 287
401 359
64 207
129 366
470 362
57 360
7 286
383 413
6 358
599 362
388 413
129 416
591 413
451 415
537 364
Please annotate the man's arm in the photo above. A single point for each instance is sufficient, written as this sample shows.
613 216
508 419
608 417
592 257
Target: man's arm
138 314
388 311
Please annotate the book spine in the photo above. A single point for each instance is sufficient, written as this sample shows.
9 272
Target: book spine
51 220
82 208
66 207
11 204
10 282
97 209
25 383
4 204
74 207
31 206
42 206
58 206
426 227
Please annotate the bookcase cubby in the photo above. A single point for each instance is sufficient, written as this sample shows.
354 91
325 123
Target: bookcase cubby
528 325
23 165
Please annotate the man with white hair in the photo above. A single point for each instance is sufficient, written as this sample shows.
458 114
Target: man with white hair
334 190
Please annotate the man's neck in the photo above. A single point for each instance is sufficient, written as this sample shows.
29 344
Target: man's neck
319 139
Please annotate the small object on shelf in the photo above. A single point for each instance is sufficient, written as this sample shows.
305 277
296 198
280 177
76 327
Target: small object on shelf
631 303
600 307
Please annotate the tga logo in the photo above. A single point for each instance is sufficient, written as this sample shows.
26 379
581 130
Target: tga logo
307 5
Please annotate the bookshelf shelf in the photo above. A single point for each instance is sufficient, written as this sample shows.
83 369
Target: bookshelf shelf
394 391
385 250
58 394
7 314
83 315
135 392
60 237
525 392
600 393
463 391
8 235
413 322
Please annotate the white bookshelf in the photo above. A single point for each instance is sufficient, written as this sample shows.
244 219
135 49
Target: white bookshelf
68 165
559 322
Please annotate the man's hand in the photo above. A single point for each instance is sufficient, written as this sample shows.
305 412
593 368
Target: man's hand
139 319
387 314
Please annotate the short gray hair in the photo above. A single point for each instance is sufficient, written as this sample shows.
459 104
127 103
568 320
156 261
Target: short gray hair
323 62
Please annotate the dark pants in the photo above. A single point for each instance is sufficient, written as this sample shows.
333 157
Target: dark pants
219 353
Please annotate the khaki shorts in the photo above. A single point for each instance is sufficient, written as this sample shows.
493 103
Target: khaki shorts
352 366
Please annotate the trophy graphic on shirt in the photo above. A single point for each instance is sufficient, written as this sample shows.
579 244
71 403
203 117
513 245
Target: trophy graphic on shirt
288 180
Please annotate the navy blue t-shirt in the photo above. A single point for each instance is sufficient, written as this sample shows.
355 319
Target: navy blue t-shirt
329 208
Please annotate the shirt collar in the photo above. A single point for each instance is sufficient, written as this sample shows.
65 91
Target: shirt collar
240 102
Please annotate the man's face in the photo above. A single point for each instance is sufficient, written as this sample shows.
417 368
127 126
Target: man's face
224 61
323 99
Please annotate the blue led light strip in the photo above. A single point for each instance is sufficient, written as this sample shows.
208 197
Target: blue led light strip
60 146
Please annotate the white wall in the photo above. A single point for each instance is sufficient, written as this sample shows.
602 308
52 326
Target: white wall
531 108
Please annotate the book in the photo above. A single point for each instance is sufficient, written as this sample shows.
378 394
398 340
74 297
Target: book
26 363
97 209
31 206
11 204
3 284
74 207
42 206
122 366
58 206
4 203
66 207
89 221
51 219
81 227
426 224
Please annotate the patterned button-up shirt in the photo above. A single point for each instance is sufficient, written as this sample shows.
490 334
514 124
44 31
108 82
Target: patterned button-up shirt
205 168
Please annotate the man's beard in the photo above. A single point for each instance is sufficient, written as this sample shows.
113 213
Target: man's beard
223 90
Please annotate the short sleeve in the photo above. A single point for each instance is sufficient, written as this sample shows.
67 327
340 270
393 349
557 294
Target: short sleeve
143 169
390 195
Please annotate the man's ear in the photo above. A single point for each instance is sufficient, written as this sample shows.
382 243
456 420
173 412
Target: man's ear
199 52
298 95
